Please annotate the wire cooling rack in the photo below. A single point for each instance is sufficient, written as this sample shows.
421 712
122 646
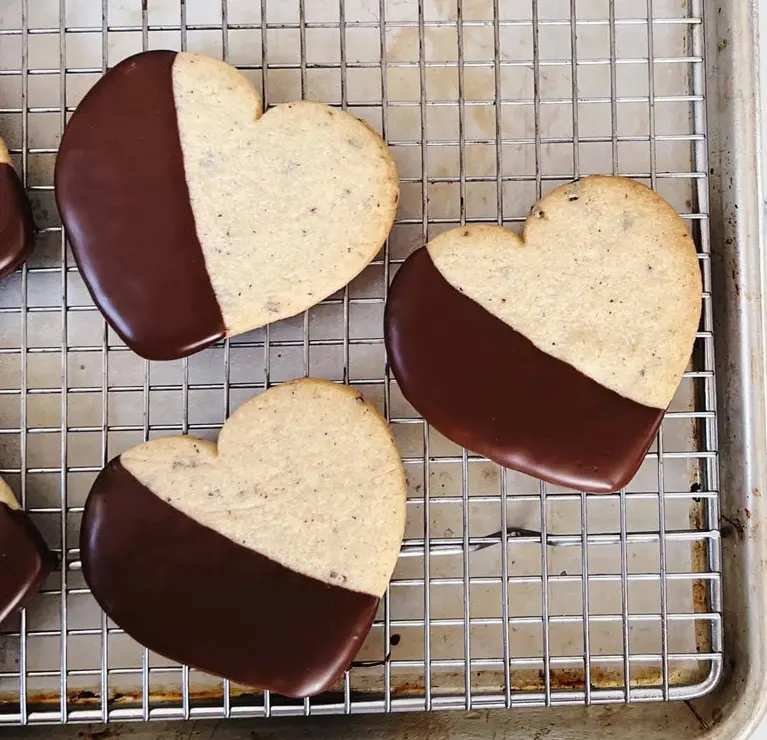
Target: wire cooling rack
509 592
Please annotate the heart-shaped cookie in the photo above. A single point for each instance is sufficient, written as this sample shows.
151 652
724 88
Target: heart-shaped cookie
555 353
262 560
193 217
25 559
16 225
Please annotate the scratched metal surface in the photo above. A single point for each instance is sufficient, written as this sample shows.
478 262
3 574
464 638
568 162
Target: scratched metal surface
486 105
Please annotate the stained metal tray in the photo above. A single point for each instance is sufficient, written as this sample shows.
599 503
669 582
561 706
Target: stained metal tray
509 592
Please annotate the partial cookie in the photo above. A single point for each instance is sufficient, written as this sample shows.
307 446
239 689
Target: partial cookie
17 229
193 217
556 353
25 559
262 559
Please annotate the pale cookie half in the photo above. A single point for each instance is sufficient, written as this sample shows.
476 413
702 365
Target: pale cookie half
193 216
572 339
605 277
262 559
7 497
310 193
307 474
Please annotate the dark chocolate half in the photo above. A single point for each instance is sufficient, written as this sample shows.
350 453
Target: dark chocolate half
17 228
485 386
25 560
123 198
196 597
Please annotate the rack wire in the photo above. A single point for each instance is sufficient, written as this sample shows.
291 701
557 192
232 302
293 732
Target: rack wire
509 592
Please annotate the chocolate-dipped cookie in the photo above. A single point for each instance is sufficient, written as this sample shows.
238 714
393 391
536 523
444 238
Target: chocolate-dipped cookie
193 217
262 559
16 226
25 559
556 353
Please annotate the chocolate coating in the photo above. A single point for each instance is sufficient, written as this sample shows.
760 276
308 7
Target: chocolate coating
25 560
485 386
16 226
123 197
195 596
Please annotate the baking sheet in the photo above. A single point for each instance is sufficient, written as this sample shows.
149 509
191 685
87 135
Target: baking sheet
477 136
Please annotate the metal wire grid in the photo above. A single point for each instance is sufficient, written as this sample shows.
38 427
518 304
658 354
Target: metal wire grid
71 395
